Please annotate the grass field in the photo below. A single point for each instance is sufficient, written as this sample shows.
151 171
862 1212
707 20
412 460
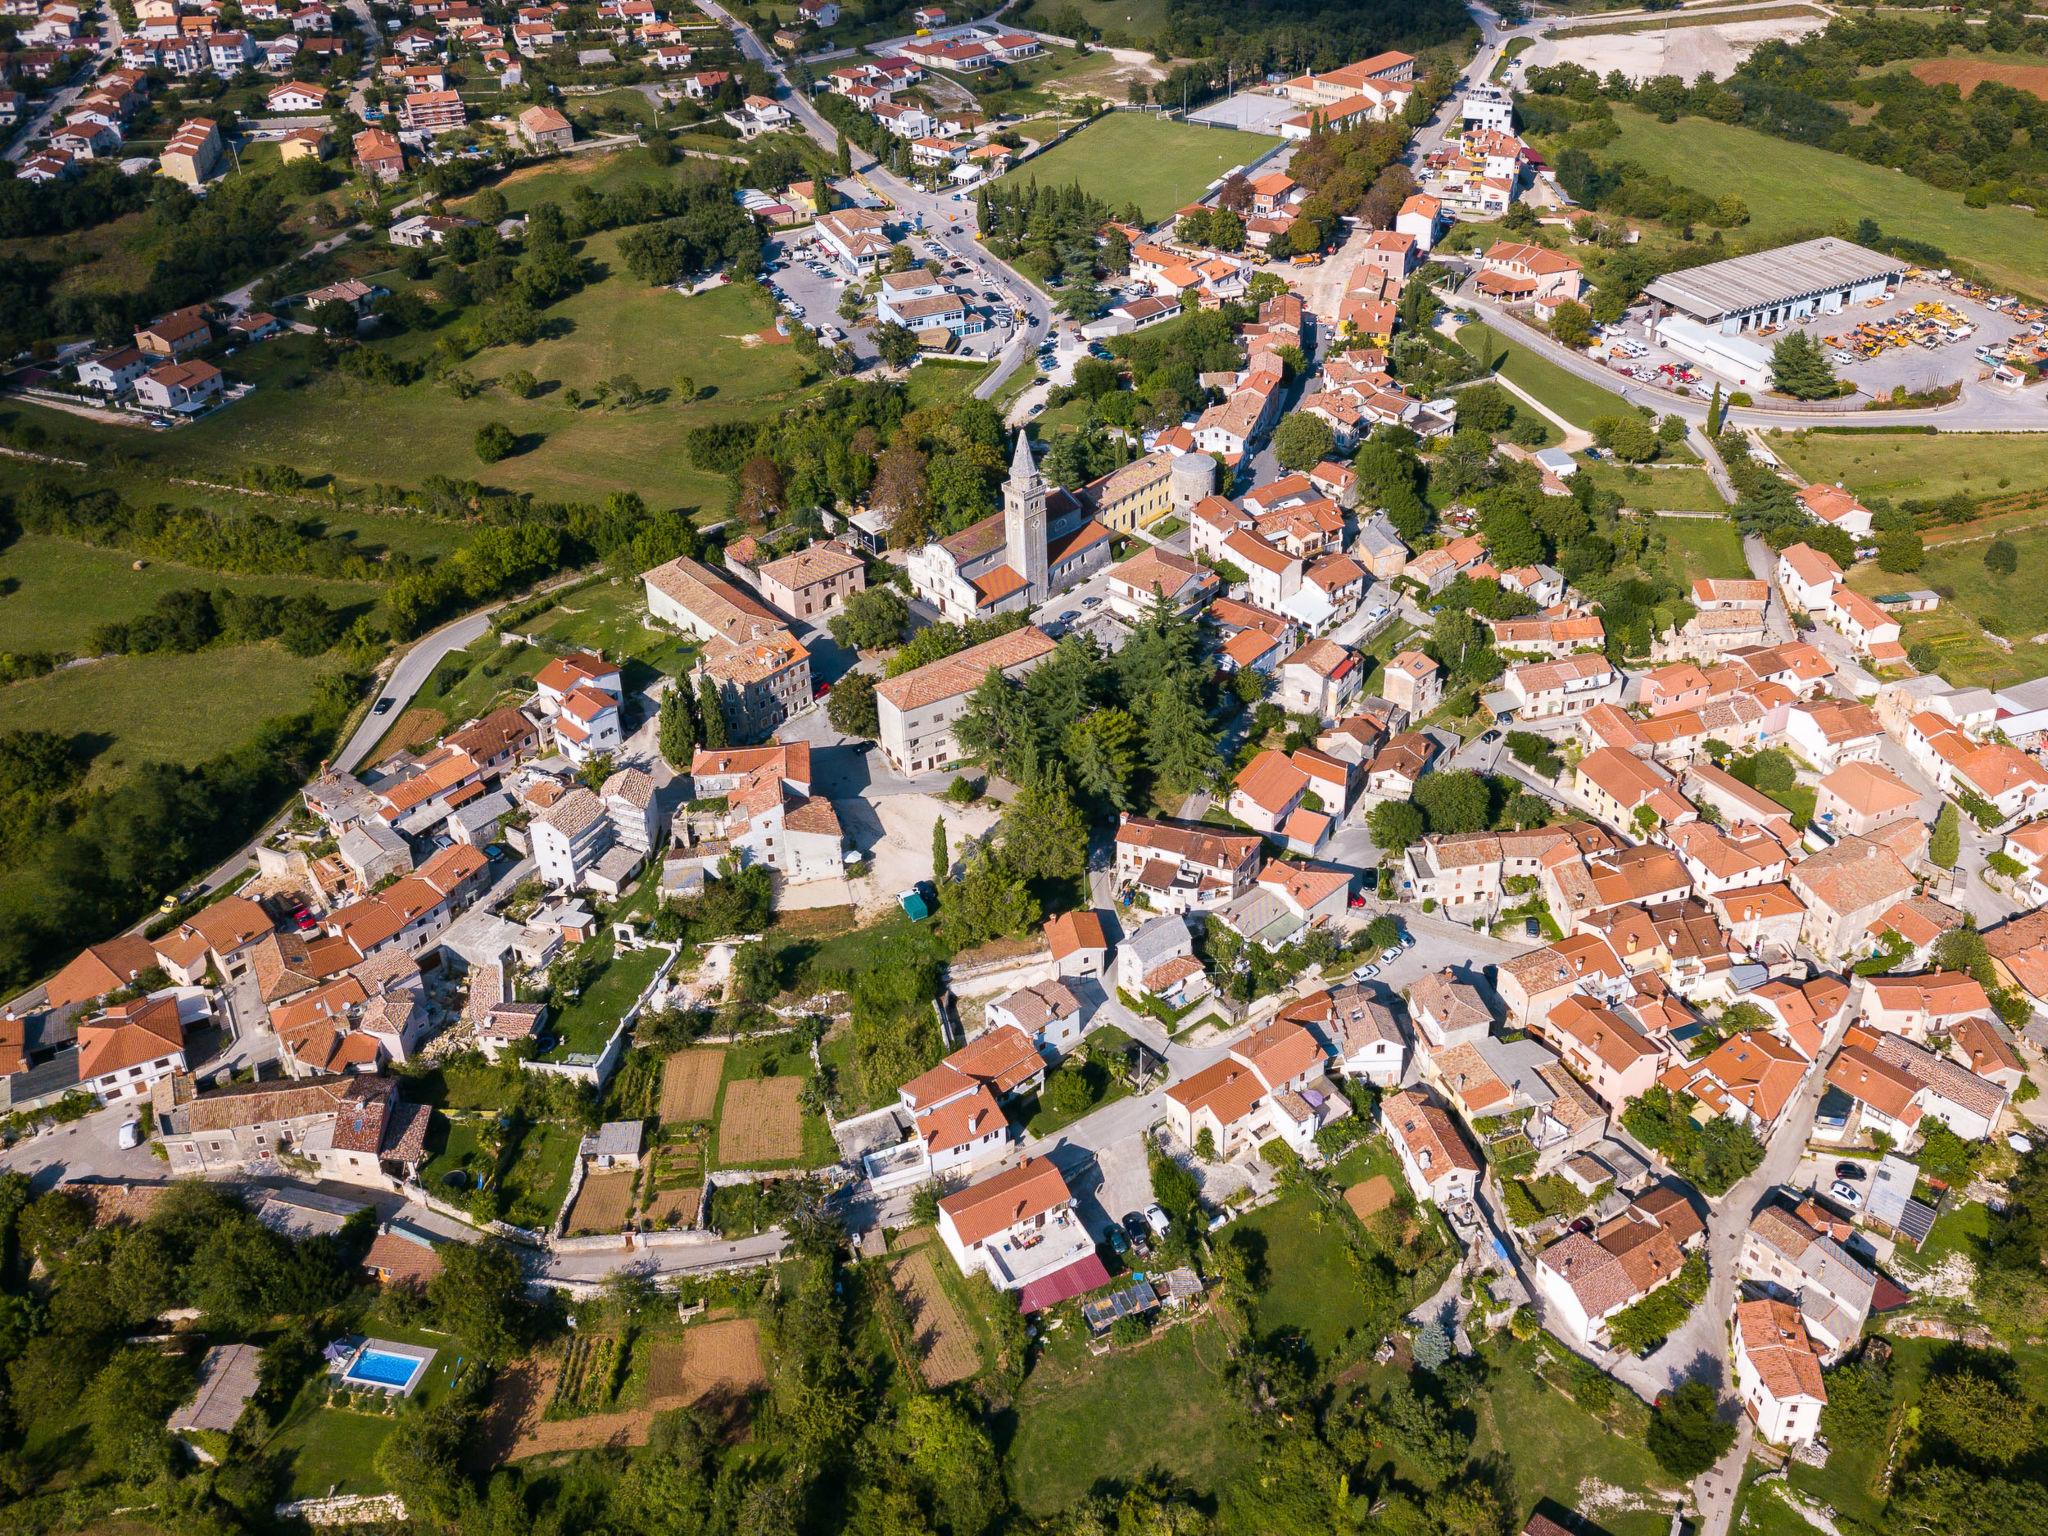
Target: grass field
583 1026
1579 401
1791 187
1136 19
1131 157
164 708
1928 466
2014 607
54 592
1701 546
364 433
1678 489
1311 1285
1080 1419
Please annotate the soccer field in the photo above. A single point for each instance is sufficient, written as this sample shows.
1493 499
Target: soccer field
1794 188
1131 157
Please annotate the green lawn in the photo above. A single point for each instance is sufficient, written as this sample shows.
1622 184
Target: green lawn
1080 1419
332 1449
1311 1285
557 181
1579 401
1680 489
2014 606
1902 465
362 433
932 384
1701 546
163 708
1133 157
1792 188
54 592
582 1027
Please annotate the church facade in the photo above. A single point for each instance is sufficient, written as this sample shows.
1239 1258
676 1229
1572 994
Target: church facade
1039 545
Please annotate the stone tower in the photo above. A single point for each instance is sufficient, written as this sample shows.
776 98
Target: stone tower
1024 522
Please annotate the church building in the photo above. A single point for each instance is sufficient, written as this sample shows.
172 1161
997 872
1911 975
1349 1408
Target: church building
1037 546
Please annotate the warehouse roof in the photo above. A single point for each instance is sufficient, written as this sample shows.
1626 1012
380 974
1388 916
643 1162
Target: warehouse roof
1744 283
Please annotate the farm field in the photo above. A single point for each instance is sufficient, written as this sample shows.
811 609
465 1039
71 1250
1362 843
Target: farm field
1129 157
1921 466
2014 608
141 709
1162 1406
760 1121
364 433
689 1085
1966 74
602 1204
1794 187
1136 19
1579 401
943 1339
1701 546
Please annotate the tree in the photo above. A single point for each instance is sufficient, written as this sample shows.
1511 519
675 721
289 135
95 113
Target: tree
991 901
1302 441
1067 1091
1687 1434
875 619
1945 843
1924 657
897 344
1800 368
1627 436
1572 324
494 441
1395 825
1044 836
1455 801
1431 1345
1180 741
2001 558
942 859
1102 751
1900 550
851 706
677 733
711 723
479 1296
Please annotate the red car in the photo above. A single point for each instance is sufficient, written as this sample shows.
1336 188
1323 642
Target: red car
304 921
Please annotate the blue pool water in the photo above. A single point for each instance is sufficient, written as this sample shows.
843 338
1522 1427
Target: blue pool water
384 1370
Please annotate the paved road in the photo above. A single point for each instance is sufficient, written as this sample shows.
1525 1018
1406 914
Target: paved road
948 217
109 33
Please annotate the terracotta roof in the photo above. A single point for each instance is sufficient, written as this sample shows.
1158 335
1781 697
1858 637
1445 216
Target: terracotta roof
1862 1075
99 969
980 1211
1272 782
960 673
1421 1127
129 1036
1071 932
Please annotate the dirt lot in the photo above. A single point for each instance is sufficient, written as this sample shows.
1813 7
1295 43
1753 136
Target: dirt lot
710 1360
602 1204
1968 74
689 1084
1370 1197
945 1343
719 1362
679 1203
761 1122
1687 51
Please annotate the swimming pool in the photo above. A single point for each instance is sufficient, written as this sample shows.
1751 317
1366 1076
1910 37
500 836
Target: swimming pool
388 1367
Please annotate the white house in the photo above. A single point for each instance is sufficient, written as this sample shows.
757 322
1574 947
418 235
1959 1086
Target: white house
1019 1227
1777 1373
1439 1166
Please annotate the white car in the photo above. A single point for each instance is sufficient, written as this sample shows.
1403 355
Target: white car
1155 1218
1845 1192
1391 952
1365 973
129 1136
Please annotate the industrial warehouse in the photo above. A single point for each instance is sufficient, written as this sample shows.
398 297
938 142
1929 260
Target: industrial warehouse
1791 283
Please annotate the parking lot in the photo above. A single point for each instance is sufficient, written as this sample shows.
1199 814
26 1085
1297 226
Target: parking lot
808 285
1938 334
1248 112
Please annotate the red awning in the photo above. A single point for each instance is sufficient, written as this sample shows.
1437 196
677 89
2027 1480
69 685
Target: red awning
1076 1279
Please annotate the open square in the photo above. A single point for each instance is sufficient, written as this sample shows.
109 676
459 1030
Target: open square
761 1122
689 1085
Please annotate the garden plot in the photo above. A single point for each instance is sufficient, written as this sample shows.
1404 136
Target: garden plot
1370 1197
761 1121
602 1204
944 1342
689 1085
710 1361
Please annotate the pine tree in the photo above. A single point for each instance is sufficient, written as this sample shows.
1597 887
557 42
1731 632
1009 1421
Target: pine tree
1044 836
1180 741
1800 368
1945 843
845 158
711 715
942 856
1714 412
678 729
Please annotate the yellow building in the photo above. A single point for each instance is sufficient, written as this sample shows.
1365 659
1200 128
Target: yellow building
301 144
193 152
1140 493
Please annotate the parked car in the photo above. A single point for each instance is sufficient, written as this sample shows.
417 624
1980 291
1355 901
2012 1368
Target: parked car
1848 1171
1846 1192
1391 952
129 1136
1140 1235
1155 1218
1118 1243
1365 973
